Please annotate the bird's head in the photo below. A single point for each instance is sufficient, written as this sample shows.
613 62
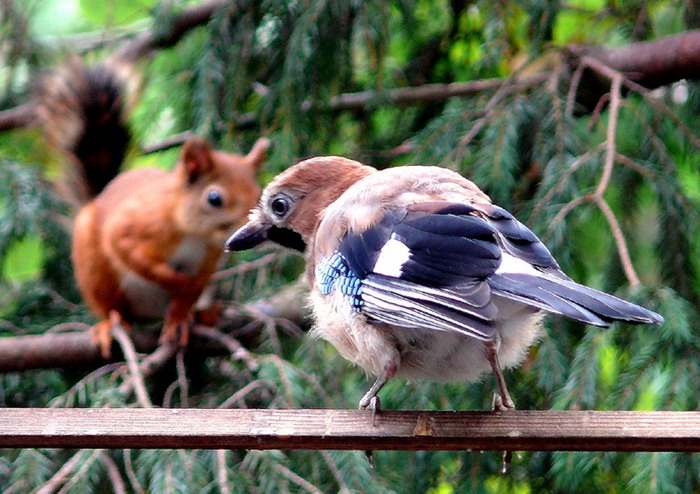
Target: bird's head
289 209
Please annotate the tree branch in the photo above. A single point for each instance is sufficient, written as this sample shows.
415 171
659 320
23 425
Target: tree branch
650 64
18 117
143 45
157 38
76 349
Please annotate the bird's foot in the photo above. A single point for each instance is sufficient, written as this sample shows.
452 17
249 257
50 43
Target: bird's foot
373 403
499 404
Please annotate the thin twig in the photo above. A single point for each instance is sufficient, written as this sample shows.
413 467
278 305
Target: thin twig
610 139
168 395
239 395
130 474
658 103
286 383
81 471
151 364
182 379
238 351
638 167
619 240
279 362
342 486
573 87
62 475
556 187
222 472
296 479
68 327
132 364
244 267
118 486
489 114
93 376
617 79
611 73
567 208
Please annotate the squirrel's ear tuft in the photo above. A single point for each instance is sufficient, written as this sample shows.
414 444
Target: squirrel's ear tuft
196 158
257 155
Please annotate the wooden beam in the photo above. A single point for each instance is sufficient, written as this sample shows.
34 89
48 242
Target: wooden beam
348 429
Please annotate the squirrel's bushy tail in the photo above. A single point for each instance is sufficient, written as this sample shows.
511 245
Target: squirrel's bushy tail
82 113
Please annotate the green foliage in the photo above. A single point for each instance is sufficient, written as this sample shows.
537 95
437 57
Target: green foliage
281 63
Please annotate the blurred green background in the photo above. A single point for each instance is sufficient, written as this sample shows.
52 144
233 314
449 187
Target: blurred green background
258 63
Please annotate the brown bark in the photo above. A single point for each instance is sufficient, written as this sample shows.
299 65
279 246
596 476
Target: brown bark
77 350
135 49
149 41
516 430
650 64
17 118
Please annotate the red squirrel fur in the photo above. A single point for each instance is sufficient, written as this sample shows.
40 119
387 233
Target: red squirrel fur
145 242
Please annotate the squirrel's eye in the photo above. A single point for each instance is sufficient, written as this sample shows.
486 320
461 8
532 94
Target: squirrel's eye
215 199
280 206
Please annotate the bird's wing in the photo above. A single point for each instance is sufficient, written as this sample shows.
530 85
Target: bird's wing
437 265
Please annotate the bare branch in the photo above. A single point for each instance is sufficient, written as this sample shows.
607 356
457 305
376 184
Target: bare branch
63 474
567 209
182 379
18 117
149 365
650 63
237 397
115 477
78 350
238 351
132 363
610 139
619 241
222 472
129 467
149 41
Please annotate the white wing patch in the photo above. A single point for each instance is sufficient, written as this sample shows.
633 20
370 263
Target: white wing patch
511 264
391 258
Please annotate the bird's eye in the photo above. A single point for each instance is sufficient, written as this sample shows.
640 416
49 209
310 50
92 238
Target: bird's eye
215 199
280 206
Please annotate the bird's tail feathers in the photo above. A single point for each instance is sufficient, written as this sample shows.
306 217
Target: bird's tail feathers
570 299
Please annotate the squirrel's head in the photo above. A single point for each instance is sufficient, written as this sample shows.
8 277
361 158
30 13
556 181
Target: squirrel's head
221 187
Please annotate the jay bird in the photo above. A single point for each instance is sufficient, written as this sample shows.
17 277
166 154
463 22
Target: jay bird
414 272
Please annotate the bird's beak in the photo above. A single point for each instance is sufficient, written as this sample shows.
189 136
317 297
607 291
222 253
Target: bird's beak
248 236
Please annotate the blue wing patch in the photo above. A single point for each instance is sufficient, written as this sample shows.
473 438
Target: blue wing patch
334 273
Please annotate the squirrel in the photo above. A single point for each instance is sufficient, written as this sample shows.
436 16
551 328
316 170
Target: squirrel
145 241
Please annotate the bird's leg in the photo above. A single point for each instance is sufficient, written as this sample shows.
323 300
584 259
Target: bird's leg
371 400
502 401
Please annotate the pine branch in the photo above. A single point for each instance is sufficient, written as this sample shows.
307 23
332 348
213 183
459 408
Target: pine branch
132 51
158 38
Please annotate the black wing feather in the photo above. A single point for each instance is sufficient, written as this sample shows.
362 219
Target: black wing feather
448 280
576 301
